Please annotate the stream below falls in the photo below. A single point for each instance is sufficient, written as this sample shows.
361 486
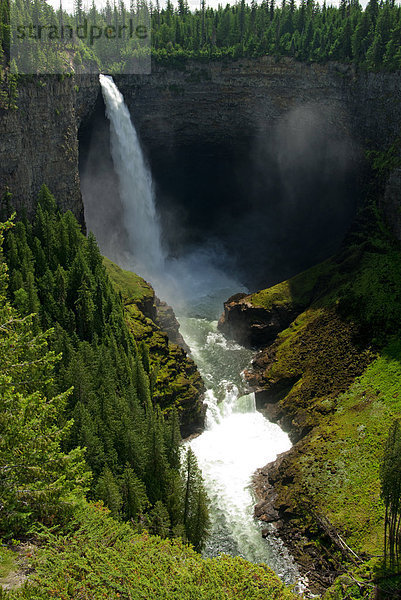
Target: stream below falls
237 440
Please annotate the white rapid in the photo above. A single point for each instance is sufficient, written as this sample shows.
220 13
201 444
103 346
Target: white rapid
238 439
135 181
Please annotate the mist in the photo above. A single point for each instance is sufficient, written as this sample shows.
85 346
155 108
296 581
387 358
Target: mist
120 210
232 218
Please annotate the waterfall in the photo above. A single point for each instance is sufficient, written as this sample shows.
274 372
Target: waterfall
135 182
238 439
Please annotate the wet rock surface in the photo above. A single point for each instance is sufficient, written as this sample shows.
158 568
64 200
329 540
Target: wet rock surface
253 326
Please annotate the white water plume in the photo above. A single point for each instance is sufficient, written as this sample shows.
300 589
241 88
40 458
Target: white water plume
238 439
135 181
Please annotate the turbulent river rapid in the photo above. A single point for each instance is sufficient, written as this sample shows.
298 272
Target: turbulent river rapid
237 439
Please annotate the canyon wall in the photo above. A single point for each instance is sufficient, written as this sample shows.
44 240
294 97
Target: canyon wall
217 102
229 100
39 140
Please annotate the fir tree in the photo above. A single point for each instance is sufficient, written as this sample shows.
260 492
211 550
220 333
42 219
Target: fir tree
390 477
37 479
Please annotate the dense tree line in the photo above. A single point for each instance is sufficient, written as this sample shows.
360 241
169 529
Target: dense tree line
369 38
132 449
38 481
307 31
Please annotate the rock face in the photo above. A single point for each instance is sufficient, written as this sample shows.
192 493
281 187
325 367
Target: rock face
227 102
167 321
301 378
253 326
39 140
319 566
177 381
392 203
224 99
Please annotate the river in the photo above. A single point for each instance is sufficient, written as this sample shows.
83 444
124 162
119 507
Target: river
237 439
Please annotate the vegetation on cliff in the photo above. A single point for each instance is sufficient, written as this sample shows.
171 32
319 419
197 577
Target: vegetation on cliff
176 381
57 278
78 549
98 558
38 481
333 379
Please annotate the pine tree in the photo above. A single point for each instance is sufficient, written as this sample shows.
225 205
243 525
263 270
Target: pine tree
37 479
6 205
107 490
135 501
195 510
158 521
132 448
157 469
390 477
173 439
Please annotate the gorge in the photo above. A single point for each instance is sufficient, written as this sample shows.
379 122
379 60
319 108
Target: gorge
259 167
235 437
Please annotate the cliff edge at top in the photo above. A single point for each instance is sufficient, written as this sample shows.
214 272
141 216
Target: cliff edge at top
236 102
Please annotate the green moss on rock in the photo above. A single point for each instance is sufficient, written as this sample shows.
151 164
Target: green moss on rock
176 380
333 378
132 287
295 292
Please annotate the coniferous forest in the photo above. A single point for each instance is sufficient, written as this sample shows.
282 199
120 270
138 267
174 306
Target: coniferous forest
131 461
308 31
101 381
100 495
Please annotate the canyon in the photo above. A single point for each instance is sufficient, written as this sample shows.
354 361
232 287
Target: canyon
222 138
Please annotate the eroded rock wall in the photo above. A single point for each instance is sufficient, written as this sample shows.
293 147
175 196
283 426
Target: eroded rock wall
230 101
39 140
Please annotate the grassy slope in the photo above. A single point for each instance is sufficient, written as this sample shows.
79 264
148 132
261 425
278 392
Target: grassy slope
103 559
132 287
178 382
342 356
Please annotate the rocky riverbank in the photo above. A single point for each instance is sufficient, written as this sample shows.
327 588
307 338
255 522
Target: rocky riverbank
328 378
176 380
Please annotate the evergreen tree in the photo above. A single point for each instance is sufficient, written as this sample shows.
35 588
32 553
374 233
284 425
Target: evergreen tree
390 477
37 479
108 491
131 447
195 511
158 521
135 501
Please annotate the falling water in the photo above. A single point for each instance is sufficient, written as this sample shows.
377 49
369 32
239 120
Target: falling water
135 180
238 439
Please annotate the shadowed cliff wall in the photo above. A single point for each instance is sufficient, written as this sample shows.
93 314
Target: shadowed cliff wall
226 142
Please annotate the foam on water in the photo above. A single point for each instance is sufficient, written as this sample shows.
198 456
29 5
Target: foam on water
238 439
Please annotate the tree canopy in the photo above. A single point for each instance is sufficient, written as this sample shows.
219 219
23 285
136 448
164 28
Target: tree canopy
57 279
37 478
308 31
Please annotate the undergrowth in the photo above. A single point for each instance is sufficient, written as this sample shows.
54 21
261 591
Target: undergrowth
103 559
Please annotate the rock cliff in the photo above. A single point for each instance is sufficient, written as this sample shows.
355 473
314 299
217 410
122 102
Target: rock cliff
328 378
227 100
176 380
392 203
39 140
233 105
